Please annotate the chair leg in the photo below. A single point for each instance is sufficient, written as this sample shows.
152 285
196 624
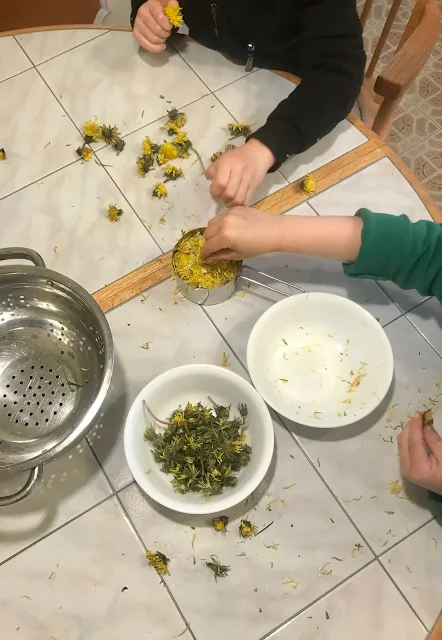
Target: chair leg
383 121
367 103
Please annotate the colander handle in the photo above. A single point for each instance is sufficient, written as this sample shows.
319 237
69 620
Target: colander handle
24 491
17 253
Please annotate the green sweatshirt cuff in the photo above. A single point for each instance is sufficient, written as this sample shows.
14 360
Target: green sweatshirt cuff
378 259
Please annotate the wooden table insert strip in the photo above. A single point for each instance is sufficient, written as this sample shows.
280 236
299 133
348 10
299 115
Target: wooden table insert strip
159 269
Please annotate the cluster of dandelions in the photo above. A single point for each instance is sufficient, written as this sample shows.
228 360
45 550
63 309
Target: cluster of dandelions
94 132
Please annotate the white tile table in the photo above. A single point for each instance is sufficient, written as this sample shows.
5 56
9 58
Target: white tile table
72 560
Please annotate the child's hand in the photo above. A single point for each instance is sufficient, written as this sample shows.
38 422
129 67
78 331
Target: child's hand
152 27
241 233
237 173
420 452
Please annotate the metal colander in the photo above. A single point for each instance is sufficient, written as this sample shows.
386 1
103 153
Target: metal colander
56 359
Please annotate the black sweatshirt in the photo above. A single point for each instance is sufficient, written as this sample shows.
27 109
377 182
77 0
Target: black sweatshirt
318 40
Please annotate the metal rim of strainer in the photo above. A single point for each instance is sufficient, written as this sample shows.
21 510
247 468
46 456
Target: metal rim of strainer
217 295
198 295
85 423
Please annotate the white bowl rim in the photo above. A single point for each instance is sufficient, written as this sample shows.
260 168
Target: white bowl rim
223 501
301 298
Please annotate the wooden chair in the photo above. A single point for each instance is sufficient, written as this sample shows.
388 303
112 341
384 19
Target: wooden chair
379 97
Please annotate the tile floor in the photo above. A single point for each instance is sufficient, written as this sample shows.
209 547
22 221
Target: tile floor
72 563
417 128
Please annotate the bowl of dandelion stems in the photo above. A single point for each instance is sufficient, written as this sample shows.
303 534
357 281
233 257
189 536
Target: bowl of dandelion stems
198 439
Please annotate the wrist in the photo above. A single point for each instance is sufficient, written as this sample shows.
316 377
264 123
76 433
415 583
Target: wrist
266 156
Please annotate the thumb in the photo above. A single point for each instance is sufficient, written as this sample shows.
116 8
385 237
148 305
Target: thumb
224 254
433 442
210 172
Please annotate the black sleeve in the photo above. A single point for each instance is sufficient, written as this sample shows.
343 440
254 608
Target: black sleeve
136 4
332 77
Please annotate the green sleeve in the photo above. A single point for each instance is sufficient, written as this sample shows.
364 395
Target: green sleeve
394 248
435 504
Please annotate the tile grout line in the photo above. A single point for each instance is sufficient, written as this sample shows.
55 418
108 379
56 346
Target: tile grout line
114 491
34 182
28 57
213 93
341 181
306 607
376 556
162 579
280 420
401 540
97 460
393 581
47 175
77 46
101 164
95 156
101 148
61 526
15 75
423 336
135 530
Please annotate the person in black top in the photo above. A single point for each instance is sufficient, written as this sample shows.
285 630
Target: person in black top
318 40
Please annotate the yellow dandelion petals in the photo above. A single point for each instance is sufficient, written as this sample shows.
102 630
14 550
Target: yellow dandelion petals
178 117
159 190
85 153
220 524
238 129
2 154
192 269
247 529
181 138
92 131
174 14
172 128
309 184
146 146
114 214
214 157
225 362
144 165
395 488
159 562
172 173
168 151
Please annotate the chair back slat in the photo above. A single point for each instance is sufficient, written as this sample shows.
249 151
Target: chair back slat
383 37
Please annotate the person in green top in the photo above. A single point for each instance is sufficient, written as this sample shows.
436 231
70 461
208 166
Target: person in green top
370 245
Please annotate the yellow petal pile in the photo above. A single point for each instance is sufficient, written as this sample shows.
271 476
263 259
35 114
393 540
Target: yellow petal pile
191 268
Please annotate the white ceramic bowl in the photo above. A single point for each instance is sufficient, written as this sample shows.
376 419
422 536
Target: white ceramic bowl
320 360
194 383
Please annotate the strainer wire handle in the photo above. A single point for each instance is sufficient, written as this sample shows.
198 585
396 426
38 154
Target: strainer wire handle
18 253
266 286
25 490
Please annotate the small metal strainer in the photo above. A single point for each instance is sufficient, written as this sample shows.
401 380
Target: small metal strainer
56 360
217 295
